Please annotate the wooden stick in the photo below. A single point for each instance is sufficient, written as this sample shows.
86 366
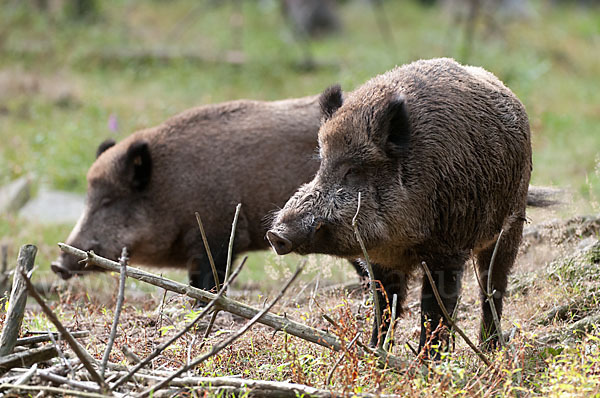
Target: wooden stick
389 336
218 347
77 349
226 304
231 238
490 294
42 339
208 252
249 387
18 299
79 385
118 307
369 271
453 325
337 363
164 345
56 390
27 358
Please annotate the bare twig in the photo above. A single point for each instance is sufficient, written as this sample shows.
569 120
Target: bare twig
118 307
161 348
226 304
337 363
42 339
18 299
91 387
218 347
130 355
4 250
369 270
389 336
259 388
453 325
490 294
231 238
56 390
25 377
77 349
208 252
27 358
65 361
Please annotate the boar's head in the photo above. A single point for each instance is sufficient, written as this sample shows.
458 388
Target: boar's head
117 205
363 141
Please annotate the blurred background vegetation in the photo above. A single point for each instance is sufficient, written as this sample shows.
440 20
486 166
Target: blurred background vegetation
75 72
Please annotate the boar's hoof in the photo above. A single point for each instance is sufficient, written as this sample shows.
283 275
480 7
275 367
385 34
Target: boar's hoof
60 270
280 244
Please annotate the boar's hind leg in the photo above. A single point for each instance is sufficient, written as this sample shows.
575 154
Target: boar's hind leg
505 257
447 278
394 282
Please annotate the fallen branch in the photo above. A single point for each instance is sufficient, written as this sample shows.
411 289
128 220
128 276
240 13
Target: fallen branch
27 358
80 385
453 325
218 347
226 304
18 299
77 349
56 390
43 339
118 307
249 387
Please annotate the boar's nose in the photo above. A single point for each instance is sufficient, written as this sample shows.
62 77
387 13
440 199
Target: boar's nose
60 270
280 244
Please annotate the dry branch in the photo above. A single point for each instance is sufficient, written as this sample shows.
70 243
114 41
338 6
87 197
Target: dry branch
43 339
453 325
80 385
226 304
490 294
27 358
251 387
77 349
18 299
208 252
118 307
56 390
370 272
226 342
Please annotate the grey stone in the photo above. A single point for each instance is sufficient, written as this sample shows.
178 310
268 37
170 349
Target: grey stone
54 207
14 195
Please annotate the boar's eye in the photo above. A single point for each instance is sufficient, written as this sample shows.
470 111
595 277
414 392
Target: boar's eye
353 175
105 202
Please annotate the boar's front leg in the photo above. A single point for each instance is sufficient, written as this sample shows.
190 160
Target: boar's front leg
447 279
393 282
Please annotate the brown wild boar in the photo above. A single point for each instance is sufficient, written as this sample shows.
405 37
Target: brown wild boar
143 192
441 155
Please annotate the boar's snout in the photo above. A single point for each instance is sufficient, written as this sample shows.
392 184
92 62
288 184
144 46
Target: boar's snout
279 243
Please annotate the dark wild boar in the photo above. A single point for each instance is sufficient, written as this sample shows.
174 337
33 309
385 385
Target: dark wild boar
441 155
143 192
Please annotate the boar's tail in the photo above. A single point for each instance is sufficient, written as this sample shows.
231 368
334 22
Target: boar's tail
543 196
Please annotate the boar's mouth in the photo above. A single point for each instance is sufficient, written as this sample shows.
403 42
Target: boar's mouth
60 270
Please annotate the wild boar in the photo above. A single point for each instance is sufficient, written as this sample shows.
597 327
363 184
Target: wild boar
441 156
142 192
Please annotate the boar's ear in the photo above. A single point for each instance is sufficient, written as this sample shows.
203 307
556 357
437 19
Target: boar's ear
139 165
395 122
331 100
104 146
